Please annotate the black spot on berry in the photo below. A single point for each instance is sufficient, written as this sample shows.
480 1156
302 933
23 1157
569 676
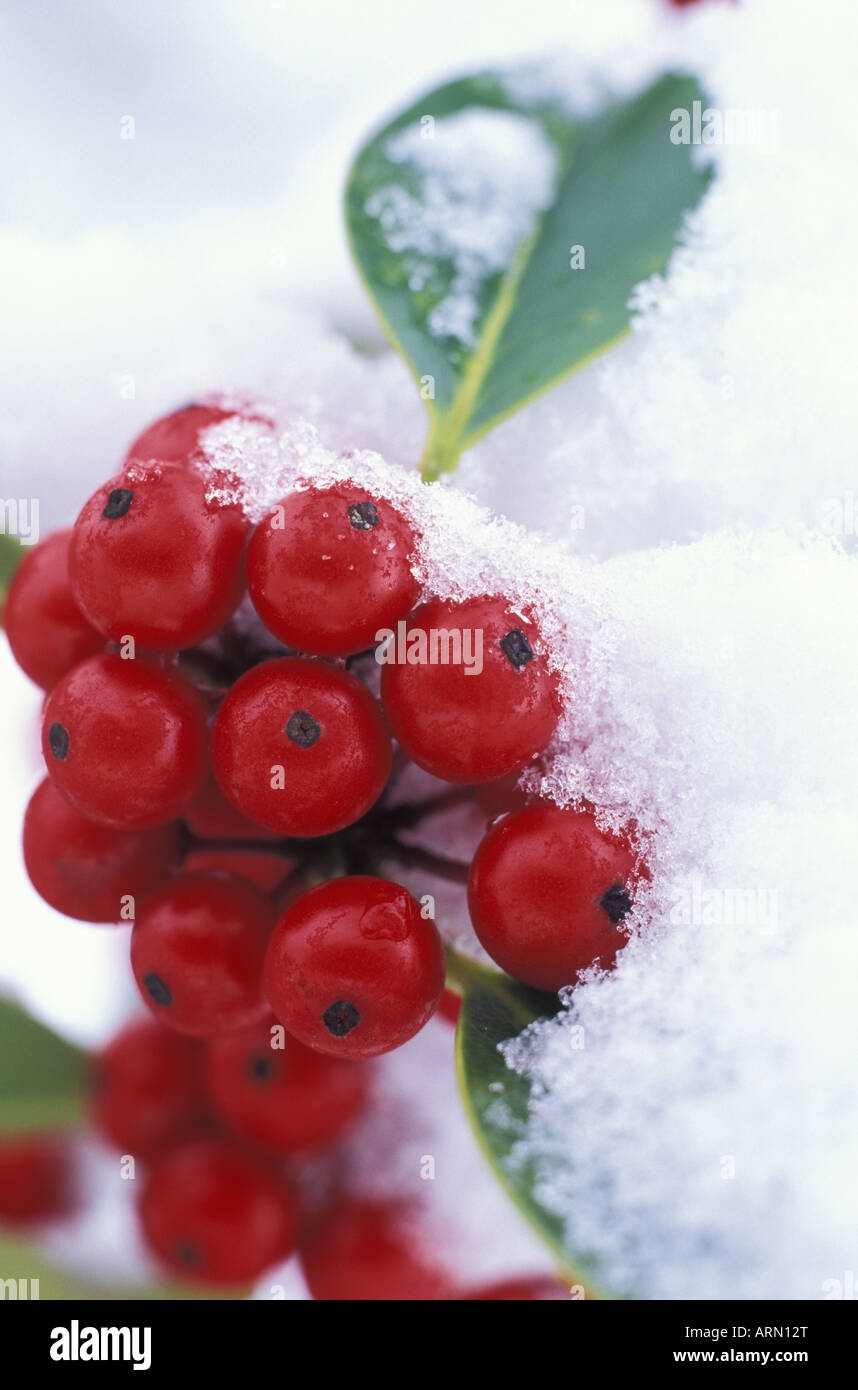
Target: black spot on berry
58 739
260 1067
157 990
616 902
341 1018
303 729
187 1253
516 648
118 502
363 515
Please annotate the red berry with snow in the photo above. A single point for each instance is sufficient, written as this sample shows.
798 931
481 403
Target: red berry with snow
475 698
354 968
328 568
124 741
300 747
197 951
175 438
548 892
154 559
47 631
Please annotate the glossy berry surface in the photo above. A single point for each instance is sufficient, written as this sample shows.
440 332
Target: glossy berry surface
175 438
145 1089
214 1215
479 720
548 892
330 567
364 1251
301 747
267 868
124 742
197 950
36 1179
83 869
47 631
353 968
272 1090
210 816
152 559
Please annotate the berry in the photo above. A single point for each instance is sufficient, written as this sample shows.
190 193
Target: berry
547 892
197 950
36 1178
300 747
47 631
268 869
209 816
471 722
272 1090
328 568
353 968
175 438
145 1092
528 1289
85 870
124 741
450 1007
152 559
215 1215
365 1251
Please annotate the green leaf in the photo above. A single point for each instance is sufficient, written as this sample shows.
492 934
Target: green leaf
20 1260
620 189
494 1010
11 555
40 1074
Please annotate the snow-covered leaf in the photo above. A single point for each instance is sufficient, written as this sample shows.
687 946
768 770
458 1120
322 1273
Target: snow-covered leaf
495 1009
500 237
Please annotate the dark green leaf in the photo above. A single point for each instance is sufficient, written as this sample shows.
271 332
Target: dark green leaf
620 191
496 1009
11 554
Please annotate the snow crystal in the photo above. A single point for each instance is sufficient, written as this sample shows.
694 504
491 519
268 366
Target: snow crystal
483 176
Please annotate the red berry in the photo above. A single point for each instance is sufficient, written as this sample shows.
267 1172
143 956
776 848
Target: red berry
197 950
329 567
85 870
209 816
477 719
300 747
268 869
450 1007
274 1091
175 438
124 742
46 629
353 968
371 1251
145 1089
152 559
528 1289
547 891
36 1178
215 1215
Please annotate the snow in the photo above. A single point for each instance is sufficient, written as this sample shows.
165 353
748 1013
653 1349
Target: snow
483 177
682 514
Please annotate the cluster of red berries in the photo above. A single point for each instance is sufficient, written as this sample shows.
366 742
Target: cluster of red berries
223 779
